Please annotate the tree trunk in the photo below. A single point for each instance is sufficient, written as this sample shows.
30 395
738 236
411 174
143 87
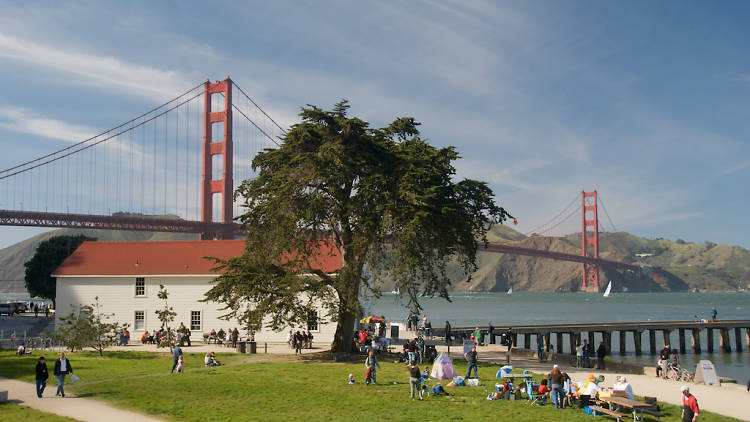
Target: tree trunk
342 340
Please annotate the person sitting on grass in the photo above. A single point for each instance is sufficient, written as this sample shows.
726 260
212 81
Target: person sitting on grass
351 379
22 350
370 363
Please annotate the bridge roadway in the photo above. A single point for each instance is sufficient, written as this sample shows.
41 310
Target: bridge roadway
575 332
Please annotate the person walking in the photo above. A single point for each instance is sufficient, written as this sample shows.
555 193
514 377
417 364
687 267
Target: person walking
490 333
586 354
235 337
540 347
579 356
471 358
690 409
415 380
41 376
62 368
176 353
36 310
601 351
713 314
448 333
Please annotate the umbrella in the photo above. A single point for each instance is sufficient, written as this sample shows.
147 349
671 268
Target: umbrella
371 319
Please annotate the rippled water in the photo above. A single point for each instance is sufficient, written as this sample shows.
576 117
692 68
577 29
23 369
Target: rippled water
467 309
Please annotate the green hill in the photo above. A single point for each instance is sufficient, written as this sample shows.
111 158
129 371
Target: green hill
681 265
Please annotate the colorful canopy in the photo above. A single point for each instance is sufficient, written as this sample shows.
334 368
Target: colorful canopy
371 319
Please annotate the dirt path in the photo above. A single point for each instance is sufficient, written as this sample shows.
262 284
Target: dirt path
71 406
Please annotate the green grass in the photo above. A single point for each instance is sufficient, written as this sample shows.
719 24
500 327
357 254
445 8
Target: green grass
10 411
266 387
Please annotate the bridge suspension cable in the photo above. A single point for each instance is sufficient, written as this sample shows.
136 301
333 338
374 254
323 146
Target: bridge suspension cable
599 198
553 219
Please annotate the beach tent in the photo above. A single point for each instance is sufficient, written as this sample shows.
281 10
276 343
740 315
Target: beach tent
442 368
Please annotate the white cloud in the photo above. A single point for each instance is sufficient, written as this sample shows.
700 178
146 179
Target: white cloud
22 120
96 70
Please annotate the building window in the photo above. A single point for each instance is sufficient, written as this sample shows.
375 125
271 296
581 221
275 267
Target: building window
195 320
140 320
312 321
140 286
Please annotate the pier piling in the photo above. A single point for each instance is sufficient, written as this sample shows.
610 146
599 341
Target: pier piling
666 336
547 342
527 341
592 343
738 339
559 344
637 336
710 340
622 341
652 342
695 339
681 337
724 344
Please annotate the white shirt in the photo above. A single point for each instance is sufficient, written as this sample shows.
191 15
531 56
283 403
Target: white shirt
579 350
592 389
63 365
624 386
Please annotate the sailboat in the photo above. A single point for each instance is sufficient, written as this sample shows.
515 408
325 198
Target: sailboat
395 290
609 289
510 291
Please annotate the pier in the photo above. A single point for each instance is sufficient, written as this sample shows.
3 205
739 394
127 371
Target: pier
666 331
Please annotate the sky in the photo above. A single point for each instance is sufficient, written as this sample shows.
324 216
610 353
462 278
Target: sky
646 102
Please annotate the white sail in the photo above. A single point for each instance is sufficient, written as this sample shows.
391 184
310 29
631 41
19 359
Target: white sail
609 289
396 290
510 291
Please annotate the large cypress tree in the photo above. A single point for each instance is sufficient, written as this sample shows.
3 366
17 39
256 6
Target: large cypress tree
386 198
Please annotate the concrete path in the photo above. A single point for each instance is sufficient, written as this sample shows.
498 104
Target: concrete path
71 406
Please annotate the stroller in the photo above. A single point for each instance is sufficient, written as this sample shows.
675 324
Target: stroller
430 353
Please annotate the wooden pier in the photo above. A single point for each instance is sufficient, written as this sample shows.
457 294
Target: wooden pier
663 330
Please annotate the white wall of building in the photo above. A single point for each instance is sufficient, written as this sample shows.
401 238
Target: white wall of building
117 295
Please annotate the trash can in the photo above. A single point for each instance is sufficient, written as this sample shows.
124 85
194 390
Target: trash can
252 347
241 347
394 331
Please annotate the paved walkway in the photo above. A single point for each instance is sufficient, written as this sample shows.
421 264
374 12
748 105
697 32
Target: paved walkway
71 406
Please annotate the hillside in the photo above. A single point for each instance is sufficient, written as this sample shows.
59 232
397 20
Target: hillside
13 257
683 266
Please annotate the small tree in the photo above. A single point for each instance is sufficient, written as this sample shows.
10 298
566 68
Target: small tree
165 315
87 326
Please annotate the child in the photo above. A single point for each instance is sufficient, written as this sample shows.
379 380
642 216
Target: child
180 364
370 363
438 390
351 379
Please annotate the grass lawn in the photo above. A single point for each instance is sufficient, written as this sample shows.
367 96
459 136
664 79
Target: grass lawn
15 412
267 387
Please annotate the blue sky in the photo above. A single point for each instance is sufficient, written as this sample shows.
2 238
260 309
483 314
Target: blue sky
647 102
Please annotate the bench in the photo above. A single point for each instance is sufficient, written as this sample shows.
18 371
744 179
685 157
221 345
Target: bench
617 415
653 412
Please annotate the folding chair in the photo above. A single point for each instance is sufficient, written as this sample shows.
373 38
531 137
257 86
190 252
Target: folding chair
533 396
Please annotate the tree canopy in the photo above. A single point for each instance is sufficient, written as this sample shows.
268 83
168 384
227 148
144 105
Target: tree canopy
385 197
48 256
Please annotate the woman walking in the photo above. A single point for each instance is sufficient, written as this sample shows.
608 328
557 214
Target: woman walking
41 376
415 380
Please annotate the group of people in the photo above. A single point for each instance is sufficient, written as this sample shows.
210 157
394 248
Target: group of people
668 362
423 325
61 369
373 338
123 337
299 340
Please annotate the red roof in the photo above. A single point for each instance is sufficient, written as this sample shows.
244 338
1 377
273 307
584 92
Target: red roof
165 258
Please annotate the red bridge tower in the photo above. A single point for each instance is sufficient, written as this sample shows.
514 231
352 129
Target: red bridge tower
217 153
590 236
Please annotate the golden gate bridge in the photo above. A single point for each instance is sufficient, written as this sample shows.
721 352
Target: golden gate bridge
172 169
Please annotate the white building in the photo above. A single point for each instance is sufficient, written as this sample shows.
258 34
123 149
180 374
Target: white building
126 278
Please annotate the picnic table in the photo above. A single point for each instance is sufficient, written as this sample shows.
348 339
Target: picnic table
617 403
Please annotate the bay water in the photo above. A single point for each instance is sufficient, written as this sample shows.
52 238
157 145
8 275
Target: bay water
472 309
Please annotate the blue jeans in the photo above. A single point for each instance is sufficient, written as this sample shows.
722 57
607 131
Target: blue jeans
40 386
472 365
557 394
415 383
60 382
174 364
